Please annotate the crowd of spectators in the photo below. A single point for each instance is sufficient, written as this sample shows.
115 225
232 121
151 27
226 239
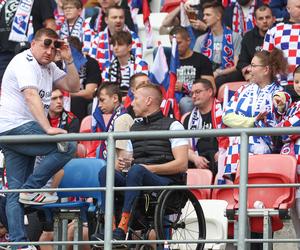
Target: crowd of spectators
92 51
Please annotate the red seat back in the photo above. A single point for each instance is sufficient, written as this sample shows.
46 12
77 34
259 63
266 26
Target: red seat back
86 127
270 169
200 177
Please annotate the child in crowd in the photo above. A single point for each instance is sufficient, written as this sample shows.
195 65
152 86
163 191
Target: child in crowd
292 142
72 25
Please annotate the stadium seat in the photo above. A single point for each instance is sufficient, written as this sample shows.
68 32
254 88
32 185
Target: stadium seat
226 194
197 176
78 173
156 20
270 169
86 127
216 222
232 87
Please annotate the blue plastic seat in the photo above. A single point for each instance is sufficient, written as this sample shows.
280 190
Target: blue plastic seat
78 173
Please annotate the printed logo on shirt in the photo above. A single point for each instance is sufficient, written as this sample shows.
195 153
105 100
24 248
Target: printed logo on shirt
29 57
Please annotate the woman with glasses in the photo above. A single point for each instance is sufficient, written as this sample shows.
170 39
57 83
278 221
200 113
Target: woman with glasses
252 105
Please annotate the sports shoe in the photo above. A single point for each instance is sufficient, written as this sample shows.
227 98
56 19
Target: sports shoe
118 234
37 198
29 247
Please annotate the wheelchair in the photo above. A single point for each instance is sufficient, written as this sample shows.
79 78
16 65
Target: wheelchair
168 215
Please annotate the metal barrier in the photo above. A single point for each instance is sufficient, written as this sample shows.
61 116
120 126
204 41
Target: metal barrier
112 137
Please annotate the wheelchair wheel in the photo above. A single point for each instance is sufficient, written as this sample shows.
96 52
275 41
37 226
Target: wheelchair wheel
179 216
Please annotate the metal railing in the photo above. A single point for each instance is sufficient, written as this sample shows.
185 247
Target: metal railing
112 137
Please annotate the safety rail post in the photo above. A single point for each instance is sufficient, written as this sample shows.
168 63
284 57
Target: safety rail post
242 245
109 192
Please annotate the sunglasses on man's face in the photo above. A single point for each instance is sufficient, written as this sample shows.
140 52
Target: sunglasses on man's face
47 43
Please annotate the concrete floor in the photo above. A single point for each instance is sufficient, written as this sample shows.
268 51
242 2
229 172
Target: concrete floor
286 232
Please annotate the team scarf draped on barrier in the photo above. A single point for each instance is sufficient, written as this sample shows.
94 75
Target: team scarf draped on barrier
98 125
135 6
240 24
185 22
227 55
21 28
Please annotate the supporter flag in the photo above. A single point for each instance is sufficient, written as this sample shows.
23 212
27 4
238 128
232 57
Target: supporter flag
144 6
185 22
159 72
170 106
78 57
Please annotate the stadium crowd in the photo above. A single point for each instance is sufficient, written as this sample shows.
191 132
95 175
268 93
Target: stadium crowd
66 62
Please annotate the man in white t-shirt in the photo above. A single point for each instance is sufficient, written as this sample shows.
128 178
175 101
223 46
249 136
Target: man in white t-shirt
156 162
25 101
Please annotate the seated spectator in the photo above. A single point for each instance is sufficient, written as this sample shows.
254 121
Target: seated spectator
110 102
239 16
125 64
157 162
94 25
207 114
192 66
220 44
101 48
292 142
252 106
73 22
285 36
90 79
136 80
252 42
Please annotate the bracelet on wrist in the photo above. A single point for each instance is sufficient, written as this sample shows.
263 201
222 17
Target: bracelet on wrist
69 63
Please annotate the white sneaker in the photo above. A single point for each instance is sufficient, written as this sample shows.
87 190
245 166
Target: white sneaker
37 198
29 247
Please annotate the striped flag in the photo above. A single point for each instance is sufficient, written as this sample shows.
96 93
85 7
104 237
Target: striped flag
170 107
144 6
159 72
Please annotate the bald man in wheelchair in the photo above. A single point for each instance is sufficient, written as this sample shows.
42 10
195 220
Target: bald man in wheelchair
156 162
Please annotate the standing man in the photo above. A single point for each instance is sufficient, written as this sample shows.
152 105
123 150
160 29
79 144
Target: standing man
193 65
207 114
285 36
220 44
41 13
157 162
101 48
25 101
96 24
252 42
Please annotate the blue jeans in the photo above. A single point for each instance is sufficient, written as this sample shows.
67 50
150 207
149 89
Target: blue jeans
20 173
137 176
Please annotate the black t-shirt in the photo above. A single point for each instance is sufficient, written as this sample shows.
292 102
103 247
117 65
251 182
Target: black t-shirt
89 73
205 144
41 10
193 68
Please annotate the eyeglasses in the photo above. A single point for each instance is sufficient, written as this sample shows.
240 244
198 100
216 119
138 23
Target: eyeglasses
47 42
198 91
256 65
